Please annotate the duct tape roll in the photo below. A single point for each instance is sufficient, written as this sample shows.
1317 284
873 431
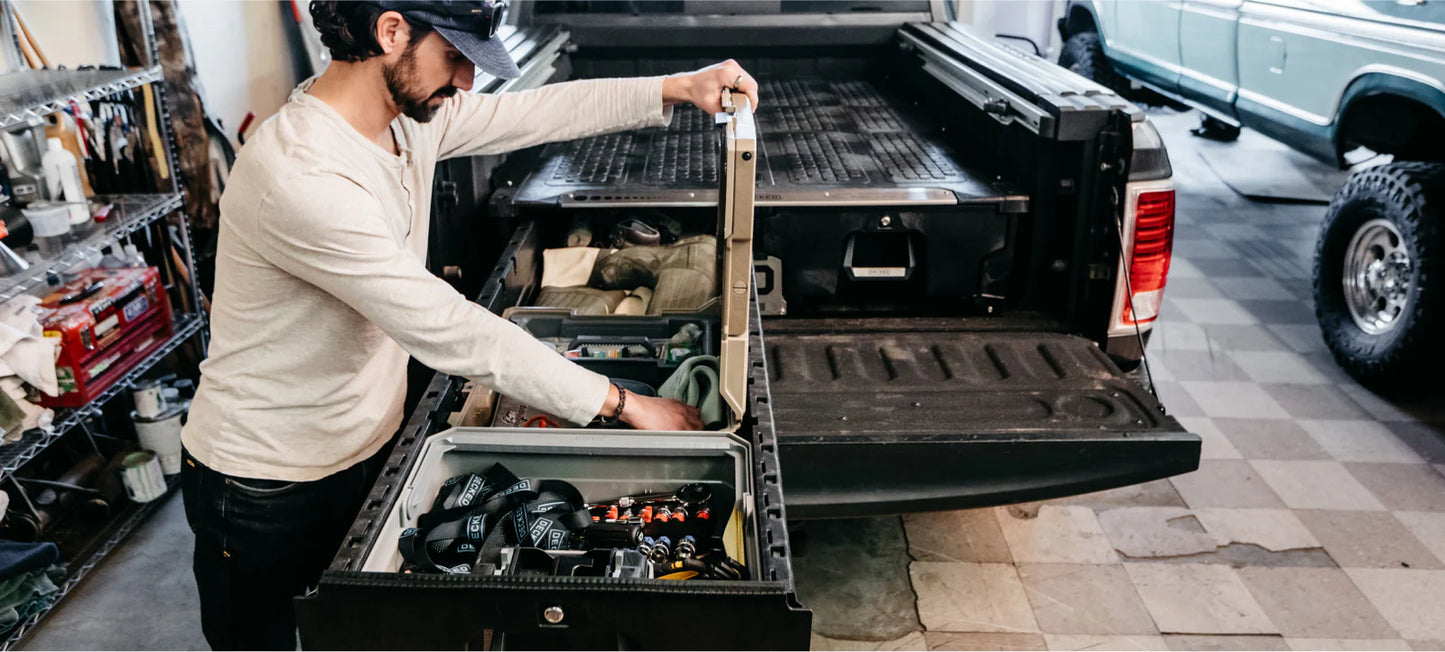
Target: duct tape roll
141 473
48 220
162 436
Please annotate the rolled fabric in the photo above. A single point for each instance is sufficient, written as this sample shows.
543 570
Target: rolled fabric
635 304
582 300
683 275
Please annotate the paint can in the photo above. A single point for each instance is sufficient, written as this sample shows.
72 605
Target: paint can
150 400
162 436
141 473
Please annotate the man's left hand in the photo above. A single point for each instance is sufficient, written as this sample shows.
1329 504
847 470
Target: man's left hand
704 87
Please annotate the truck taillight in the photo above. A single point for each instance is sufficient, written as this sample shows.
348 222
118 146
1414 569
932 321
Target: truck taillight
1148 245
1153 245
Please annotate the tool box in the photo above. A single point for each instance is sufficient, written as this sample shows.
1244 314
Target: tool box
104 322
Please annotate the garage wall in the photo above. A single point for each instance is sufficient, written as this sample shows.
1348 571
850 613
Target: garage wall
242 48
246 60
1034 20
73 32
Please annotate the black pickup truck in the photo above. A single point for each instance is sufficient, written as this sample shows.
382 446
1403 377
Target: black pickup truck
955 248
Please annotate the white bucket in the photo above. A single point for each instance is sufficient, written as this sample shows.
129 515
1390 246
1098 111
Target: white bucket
141 474
162 435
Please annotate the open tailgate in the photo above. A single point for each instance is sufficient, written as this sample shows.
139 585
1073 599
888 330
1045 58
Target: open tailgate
902 415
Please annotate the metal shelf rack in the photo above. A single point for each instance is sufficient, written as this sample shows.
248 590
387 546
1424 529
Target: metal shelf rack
129 213
134 515
26 94
29 94
13 455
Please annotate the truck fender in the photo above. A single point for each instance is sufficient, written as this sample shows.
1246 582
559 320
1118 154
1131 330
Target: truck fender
1374 84
1079 16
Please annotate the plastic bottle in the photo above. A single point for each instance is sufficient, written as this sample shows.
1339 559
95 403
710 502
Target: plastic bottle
113 258
90 259
62 177
133 257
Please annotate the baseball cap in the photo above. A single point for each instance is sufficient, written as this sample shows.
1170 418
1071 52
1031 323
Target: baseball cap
469 25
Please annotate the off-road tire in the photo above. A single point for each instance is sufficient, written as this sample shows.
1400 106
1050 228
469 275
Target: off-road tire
1409 355
1084 54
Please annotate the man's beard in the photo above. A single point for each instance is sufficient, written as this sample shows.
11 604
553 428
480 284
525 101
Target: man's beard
401 82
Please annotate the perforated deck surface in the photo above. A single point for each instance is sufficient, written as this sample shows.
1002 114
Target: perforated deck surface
815 135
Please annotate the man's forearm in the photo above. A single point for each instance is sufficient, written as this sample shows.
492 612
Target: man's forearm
676 89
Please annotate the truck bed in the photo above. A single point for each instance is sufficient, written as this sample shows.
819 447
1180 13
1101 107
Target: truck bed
839 142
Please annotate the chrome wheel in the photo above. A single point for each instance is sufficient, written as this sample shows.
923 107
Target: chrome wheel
1377 274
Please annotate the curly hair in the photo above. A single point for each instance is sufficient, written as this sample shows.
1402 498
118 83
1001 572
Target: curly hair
348 28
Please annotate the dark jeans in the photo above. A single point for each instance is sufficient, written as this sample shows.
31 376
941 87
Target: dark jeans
260 543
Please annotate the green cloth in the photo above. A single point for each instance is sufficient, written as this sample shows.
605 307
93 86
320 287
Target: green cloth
696 383
25 594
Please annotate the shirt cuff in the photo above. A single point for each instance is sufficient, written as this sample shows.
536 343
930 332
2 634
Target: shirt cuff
591 396
656 114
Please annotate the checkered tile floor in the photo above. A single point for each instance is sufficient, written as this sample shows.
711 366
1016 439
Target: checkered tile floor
1315 521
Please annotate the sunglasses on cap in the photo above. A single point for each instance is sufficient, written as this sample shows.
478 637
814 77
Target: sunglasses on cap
470 26
478 17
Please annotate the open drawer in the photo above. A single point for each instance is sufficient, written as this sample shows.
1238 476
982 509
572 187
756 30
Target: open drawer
364 602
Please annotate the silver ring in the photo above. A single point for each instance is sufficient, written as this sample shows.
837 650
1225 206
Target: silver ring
737 82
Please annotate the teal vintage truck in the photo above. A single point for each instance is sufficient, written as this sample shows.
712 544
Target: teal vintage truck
1340 80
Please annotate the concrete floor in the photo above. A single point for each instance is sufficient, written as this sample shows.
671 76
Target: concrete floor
1316 520
142 597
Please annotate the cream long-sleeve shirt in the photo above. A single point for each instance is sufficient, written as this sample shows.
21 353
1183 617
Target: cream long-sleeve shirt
322 289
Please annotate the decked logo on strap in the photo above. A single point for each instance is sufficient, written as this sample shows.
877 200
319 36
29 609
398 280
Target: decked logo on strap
519 522
539 529
524 485
474 487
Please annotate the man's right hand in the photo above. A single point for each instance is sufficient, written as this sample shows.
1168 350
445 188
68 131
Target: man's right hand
652 413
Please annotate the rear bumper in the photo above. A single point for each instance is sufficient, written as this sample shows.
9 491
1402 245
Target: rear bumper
903 475
1127 350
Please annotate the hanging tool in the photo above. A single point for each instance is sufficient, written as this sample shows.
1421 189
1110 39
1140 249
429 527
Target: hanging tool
158 150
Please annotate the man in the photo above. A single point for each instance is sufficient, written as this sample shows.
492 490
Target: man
322 292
